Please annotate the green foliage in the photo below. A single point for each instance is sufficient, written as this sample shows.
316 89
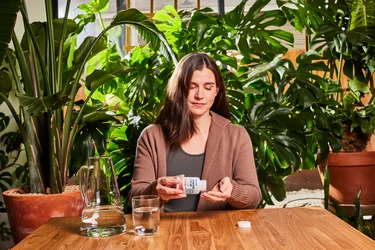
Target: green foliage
287 109
53 125
284 109
345 39
8 16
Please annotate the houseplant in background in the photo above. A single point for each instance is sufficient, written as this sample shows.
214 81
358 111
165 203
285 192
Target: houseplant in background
276 122
47 68
346 42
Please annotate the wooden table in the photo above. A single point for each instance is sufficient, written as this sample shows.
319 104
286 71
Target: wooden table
279 228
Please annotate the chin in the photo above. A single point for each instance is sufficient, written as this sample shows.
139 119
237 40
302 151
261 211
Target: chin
199 114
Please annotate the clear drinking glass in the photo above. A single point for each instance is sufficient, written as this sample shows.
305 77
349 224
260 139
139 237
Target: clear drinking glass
102 214
146 214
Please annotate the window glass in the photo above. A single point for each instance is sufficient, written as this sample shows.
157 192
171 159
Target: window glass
142 5
188 4
145 6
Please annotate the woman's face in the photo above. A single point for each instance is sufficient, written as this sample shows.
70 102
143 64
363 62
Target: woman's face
202 92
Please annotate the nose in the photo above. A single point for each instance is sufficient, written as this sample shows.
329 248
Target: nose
198 94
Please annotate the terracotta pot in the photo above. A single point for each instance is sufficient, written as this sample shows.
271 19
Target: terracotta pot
348 173
28 212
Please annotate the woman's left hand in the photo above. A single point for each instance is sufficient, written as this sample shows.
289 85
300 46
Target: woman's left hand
220 192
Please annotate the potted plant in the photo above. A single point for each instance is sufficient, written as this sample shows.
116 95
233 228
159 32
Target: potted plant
47 68
271 98
343 33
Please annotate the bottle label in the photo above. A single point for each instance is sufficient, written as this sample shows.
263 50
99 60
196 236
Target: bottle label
191 186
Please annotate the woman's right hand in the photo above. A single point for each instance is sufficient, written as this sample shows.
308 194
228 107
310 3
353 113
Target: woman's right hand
166 190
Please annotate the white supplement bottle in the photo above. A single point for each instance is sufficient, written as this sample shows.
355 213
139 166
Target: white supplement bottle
192 185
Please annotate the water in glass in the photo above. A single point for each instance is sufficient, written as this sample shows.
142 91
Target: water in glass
146 214
146 220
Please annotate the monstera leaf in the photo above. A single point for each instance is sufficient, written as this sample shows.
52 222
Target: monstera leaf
362 13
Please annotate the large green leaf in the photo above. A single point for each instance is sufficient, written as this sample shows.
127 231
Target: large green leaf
4 159
71 27
306 14
277 187
234 17
255 9
146 29
85 47
96 116
37 105
94 6
276 149
8 16
4 121
5 180
362 13
12 140
100 77
169 22
5 83
256 36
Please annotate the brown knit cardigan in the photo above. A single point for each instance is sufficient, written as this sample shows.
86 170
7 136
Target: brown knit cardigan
229 152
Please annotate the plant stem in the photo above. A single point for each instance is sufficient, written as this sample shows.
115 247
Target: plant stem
31 160
68 137
61 46
13 70
339 71
25 72
73 131
32 49
51 45
58 114
101 20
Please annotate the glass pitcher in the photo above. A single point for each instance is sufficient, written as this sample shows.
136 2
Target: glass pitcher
102 214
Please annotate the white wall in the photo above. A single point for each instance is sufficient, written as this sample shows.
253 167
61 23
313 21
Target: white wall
36 12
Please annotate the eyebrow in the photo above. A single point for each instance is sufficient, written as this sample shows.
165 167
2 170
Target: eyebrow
206 83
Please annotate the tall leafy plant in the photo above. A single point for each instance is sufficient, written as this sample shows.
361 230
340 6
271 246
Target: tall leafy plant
52 123
345 40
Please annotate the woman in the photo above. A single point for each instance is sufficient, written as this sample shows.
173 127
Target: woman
193 137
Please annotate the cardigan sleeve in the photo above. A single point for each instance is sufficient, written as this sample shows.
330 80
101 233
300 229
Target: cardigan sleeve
246 192
144 175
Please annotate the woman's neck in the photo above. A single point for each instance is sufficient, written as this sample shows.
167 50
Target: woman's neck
203 124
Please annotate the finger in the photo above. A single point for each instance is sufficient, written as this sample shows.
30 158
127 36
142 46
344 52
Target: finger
212 198
216 187
167 190
170 181
166 197
174 196
225 187
217 194
225 183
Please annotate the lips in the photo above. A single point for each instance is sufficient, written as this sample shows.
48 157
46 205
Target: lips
199 105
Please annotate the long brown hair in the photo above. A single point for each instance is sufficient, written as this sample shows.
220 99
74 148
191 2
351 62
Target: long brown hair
175 117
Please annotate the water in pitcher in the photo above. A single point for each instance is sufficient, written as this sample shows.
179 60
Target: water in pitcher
102 221
146 220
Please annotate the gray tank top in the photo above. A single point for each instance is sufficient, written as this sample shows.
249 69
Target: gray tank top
180 162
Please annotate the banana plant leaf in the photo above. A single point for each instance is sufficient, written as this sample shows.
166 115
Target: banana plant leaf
8 16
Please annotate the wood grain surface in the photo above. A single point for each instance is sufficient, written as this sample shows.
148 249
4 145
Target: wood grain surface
279 228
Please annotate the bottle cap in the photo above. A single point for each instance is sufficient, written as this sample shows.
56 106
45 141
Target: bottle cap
203 186
244 224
